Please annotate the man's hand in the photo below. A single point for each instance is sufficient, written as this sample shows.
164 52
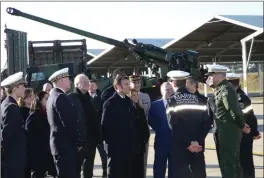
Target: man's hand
194 147
246 129
257 137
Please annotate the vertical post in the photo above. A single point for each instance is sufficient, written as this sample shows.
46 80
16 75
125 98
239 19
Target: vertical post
260 74
134 71
149 73
205 85
244 60
108 72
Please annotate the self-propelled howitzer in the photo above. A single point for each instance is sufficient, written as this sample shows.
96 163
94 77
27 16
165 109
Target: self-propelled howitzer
151 56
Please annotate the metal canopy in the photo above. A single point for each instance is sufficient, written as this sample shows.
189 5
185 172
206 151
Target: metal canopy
115 57
218 40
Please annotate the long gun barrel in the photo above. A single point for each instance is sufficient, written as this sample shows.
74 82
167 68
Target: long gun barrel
148 54
157 54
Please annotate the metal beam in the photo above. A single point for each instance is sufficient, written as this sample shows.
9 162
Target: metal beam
214 37
220 41
244 60
250 51
229 47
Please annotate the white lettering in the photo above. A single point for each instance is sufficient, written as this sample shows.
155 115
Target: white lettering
186 107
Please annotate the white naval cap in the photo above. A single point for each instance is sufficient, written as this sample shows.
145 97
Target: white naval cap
233 76
59 75
178 75
13 80
215 68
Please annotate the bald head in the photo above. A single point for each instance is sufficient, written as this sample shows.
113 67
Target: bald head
81 82
166 90
47 87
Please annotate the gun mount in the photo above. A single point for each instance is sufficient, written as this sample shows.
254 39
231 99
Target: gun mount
151 56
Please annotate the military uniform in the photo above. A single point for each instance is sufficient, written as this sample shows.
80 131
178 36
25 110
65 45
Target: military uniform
246 146
13 142
145 103
229 122
65 136
189 122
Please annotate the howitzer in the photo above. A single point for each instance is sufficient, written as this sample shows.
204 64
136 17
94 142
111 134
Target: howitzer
151 56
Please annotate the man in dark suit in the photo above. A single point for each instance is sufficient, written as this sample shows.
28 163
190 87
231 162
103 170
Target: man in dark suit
89 123
65 137
119 132
96 100
107 93
157 119
13 142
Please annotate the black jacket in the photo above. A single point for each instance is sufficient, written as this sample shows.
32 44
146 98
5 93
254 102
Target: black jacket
188 119
65 135
13 142
38 134
245 104
97 103
107 93
142 127
86 114
119 127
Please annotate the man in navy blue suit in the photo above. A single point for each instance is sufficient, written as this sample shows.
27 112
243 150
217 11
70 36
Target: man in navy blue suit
158 121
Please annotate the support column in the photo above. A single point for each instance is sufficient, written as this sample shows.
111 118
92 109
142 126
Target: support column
260 74
134 71
108 72
205 85
244 60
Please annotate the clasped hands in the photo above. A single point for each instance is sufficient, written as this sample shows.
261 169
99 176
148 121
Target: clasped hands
246 129
195 147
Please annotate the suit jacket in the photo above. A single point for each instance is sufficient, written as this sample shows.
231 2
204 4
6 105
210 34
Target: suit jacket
63 125
14 142
119 127
157 119
107 93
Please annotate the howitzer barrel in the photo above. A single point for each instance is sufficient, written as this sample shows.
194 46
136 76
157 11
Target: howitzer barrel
16 12
158 56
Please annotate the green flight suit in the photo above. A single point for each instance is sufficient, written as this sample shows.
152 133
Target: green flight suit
229 122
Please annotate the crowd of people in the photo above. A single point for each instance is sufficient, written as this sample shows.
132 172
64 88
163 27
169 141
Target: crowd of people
56 132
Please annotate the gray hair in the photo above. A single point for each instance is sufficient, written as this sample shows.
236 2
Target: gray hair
46 85
77 79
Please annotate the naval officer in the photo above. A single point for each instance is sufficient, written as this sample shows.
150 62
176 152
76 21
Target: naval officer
246 146
189 123
230 122
65 136
13 143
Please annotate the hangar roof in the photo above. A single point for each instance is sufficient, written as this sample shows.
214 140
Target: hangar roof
217 40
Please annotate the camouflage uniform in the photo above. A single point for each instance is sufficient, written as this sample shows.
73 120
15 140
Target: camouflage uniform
229 122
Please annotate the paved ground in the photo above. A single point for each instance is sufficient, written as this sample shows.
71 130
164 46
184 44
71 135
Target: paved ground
210 155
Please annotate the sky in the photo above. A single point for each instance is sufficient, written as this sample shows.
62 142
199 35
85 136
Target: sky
118 20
